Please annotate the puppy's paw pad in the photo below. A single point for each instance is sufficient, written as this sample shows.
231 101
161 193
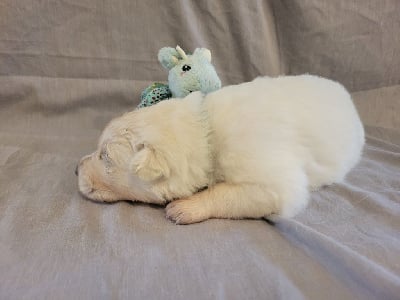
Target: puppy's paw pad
184 212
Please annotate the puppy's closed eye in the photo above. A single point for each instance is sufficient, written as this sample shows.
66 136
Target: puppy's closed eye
103 155
117 151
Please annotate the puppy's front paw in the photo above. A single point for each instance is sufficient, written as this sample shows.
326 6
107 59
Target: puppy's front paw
185 212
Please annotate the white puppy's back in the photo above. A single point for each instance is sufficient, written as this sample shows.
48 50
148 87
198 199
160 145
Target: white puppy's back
289 133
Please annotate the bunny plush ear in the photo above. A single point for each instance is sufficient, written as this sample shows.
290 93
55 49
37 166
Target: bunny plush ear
168 57
203 52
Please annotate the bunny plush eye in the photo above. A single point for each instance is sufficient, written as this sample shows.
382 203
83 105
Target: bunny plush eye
186 68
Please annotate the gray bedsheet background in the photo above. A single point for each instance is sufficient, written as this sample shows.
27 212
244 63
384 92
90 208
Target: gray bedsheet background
67 67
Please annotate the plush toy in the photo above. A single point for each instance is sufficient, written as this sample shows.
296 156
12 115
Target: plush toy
187 73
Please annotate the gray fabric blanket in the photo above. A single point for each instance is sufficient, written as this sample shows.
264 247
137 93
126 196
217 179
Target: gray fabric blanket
68 67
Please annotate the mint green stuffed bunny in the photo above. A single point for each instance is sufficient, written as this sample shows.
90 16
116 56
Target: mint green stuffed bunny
187 73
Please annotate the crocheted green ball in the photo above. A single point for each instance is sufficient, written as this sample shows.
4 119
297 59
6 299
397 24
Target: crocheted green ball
154 94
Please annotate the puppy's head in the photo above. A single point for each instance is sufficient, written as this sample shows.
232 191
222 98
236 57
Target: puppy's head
154 154
124 167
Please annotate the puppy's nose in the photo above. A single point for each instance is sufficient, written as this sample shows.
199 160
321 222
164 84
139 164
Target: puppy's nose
77 170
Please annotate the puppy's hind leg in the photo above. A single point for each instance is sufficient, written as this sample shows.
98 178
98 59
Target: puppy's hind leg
237 201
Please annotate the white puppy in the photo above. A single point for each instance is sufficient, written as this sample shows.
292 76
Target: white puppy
258 147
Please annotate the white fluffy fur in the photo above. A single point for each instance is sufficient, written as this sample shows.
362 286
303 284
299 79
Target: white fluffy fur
260 147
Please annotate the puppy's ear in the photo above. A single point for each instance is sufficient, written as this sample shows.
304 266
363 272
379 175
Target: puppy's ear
149 164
